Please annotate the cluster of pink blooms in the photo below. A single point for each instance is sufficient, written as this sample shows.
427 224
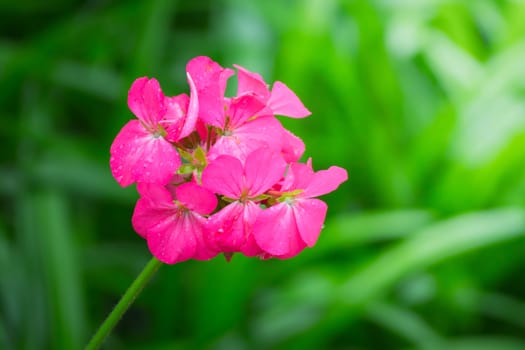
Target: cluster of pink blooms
220 174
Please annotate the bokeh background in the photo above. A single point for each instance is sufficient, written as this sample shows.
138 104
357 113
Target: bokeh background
422 101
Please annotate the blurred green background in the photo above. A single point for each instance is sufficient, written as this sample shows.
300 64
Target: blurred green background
422 101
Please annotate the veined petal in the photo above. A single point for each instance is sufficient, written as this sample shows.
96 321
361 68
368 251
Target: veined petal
173 239
309 216
230 229
293 147
276 232
224 175
243 108
255 134
139 156
193 110
210 82
196 198
200 226
173 121
156 193
298 176
284 101
146 101
155 203
325 181
250 82
263 168
142 214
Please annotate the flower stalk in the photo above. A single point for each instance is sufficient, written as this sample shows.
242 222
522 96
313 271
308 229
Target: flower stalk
125 302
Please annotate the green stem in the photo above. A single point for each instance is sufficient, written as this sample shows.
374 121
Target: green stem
125 302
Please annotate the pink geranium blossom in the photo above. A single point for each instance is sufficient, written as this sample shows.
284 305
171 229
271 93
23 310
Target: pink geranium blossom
220 174
172 221
230 229
285 229
142 151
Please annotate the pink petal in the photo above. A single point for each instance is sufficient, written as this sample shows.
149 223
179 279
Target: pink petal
175 117
173 238
276 232
255 134
155 192
155 203
141 217
298 176
146 101
243 108
196 198
224 175
262 170
174 233
230 229
325 181
249 82
284 101
193 110
310 215
139 156
210 82
250 214
293 147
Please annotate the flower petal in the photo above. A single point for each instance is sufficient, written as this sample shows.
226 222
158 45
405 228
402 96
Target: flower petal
193 110
210 82
275 231
146 101
292 148
172 239
224 175
174 119
255 134
156 193
243 108
298 176
139 156
196 198
250 82
154 205
309 216
325 181
230 229
262 170
284 101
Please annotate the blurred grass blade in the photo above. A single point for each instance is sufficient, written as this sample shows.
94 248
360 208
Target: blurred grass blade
60 265
486 343
433 245
371 227
504 308
406 324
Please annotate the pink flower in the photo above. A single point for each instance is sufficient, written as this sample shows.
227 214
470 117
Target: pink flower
285 229
141 152
240 153
230 229
171 220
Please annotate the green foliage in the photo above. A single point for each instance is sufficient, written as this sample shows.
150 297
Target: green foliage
422 101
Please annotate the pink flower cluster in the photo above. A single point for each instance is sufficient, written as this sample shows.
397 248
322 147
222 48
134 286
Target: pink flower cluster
220 174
